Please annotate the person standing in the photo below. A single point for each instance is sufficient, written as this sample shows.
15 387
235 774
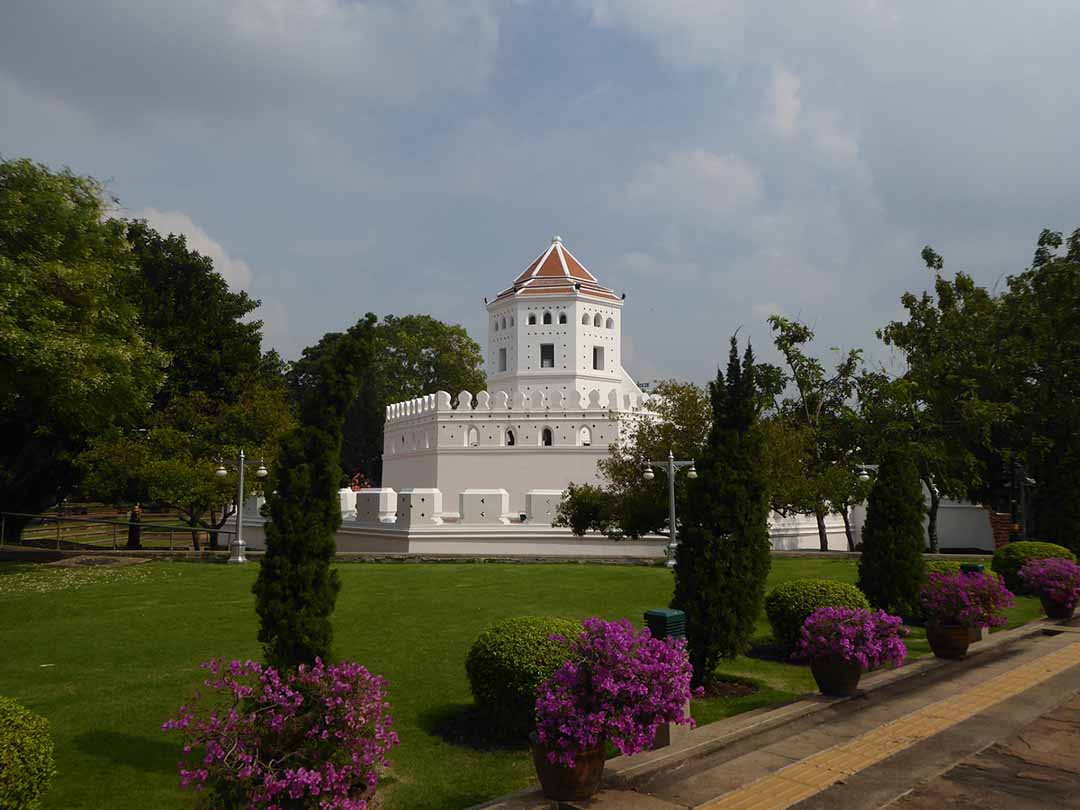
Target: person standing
134 538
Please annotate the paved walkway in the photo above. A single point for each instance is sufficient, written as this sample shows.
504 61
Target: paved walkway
997 729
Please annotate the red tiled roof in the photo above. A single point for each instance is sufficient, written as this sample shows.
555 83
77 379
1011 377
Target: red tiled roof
557 272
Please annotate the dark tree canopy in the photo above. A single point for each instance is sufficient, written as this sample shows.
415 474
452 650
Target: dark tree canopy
415 355
723 558
74 361
187 308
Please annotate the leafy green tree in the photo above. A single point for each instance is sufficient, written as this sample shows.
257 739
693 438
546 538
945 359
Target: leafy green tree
677 420
415 355
172 461
296 589
947 405
74 361
1040 340
723 558
891 569
822 412
187 308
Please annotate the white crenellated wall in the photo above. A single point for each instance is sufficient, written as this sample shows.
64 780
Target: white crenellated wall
455 444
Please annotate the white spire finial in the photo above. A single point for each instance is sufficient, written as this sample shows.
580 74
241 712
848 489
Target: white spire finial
556 238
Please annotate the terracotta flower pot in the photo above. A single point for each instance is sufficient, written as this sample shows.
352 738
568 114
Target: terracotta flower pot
836 677
565 784
1056 610
948 640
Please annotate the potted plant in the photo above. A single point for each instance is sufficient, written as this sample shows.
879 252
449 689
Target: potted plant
841 643
1057 582
619 686
955 604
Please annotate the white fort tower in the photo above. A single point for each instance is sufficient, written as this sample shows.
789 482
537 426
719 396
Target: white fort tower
556 388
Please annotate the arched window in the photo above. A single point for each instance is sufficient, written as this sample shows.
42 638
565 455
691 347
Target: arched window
532 320
510 440
504 323
585 319
562 317
547 318
474 437
597 321
610 323
586 437
496 324
545 437
511 320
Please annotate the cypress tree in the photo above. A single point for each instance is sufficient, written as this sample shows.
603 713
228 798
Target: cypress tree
296 589
723 558
891 568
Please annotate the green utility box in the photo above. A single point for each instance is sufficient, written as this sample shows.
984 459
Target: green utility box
665 622
972 568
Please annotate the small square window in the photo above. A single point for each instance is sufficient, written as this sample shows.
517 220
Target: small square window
547 355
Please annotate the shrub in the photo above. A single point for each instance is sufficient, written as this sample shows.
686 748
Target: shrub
942 567
789 604
723 558
870 638
974 600
891 568
1055 580
309 738
618 686
1010 558
584 508
26 756
509 661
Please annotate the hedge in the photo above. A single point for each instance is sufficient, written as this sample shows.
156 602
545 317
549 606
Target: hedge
26 756
1010 558
789 603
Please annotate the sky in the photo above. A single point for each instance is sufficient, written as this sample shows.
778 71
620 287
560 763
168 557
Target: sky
716 160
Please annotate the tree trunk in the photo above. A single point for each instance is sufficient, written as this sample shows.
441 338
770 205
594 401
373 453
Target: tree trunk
214 543
931 526
847 530
823 535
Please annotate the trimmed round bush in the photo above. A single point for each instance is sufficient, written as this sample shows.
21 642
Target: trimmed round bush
26 756
790 603
507 663
942 567
1010 558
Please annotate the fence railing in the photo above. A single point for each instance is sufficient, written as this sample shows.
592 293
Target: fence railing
59 531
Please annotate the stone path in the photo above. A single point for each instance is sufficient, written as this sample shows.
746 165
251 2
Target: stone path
998 729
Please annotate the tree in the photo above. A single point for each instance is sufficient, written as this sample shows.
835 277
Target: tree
74 361
1039 340
676 420
891 568
415 355
296 589
723 559
190 312
173 460
822 412
945 407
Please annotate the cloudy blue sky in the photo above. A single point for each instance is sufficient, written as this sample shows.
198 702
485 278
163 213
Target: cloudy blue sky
717 160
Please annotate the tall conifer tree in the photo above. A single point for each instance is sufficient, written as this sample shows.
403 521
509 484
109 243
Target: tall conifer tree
723 558
296 589
891 568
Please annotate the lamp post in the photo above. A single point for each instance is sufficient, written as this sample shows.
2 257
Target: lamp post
671 466
236 555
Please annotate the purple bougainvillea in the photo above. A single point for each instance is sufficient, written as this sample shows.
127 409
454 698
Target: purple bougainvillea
870 638
973 600
620 685
1055 579
315 737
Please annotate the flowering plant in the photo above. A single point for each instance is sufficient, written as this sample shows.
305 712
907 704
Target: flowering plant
973 600
854 635
1055 579
311 738
619 685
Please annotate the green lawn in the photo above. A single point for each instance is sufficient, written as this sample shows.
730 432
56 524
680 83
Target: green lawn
107 654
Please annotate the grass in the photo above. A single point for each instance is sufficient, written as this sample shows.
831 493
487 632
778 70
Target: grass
108 654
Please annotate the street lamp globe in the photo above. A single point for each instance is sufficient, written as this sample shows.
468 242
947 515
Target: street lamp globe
864 476
692 472
221 472
261 472
648 475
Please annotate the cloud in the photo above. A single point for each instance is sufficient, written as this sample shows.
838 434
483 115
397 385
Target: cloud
781 116
235 271
697 182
